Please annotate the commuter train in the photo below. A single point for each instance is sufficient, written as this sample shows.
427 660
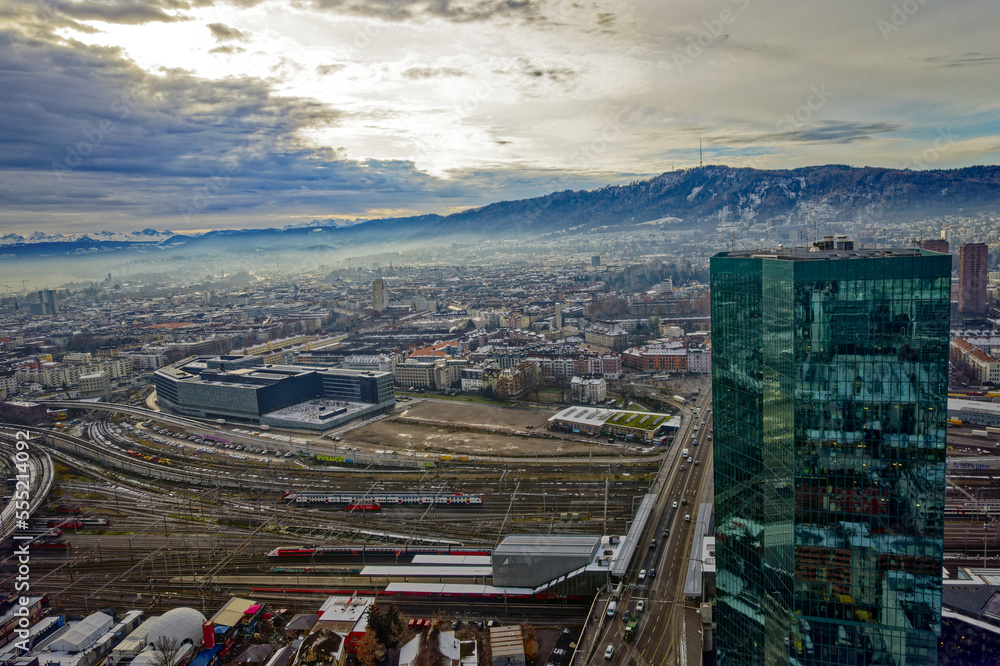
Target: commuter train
375 551
70 523
382 499
485 593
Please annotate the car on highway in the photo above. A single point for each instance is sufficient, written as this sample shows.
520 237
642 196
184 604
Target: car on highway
683 468
652 572
610 652
697 462
675 504
612 607
696 428
642 574
666 532
652 544
641 606
687 517
684 501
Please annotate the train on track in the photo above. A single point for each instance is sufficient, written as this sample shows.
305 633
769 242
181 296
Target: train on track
375 551
147 457
382 499
972 509
70 522
416 591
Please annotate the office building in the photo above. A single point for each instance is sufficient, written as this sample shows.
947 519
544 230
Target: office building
829 380
242 388
380 296
972 279
49 301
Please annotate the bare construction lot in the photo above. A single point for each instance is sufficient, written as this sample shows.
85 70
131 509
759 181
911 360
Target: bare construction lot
441 426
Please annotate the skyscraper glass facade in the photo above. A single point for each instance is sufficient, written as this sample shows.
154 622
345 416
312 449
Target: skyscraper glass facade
829 375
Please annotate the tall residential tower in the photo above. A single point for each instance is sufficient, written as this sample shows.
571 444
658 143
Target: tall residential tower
829 371
972 279
380 295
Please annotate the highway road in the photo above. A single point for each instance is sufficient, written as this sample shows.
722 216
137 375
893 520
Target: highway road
669 630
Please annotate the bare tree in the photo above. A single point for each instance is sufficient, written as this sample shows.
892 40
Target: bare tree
165 650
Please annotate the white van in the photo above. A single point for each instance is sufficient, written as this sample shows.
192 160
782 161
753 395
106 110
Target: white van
612 607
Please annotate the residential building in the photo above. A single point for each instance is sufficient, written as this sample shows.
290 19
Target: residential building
986 367
607 365
515 382
96 385
472 379
973 279
699 361
664 357
589 389
449 649
419 374
830 373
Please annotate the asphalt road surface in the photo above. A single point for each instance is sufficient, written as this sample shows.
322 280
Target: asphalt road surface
669 630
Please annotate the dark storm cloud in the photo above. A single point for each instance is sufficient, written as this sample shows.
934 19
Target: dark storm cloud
120 11
827 131
224 33
86 131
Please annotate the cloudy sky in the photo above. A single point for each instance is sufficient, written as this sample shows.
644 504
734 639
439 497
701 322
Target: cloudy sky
199 114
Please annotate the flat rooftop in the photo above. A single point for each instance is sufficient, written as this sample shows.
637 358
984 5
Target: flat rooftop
317 410
809 254
550 544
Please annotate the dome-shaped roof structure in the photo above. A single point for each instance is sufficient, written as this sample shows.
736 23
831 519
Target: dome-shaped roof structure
183 624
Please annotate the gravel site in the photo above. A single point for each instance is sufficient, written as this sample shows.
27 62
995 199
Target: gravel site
458 427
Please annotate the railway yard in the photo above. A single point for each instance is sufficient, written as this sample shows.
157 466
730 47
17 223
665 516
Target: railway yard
155 512
154 516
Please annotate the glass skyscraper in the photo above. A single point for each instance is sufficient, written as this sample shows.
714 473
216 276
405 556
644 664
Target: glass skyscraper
829 374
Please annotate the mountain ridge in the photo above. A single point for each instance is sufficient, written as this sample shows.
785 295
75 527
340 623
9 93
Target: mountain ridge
713 199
